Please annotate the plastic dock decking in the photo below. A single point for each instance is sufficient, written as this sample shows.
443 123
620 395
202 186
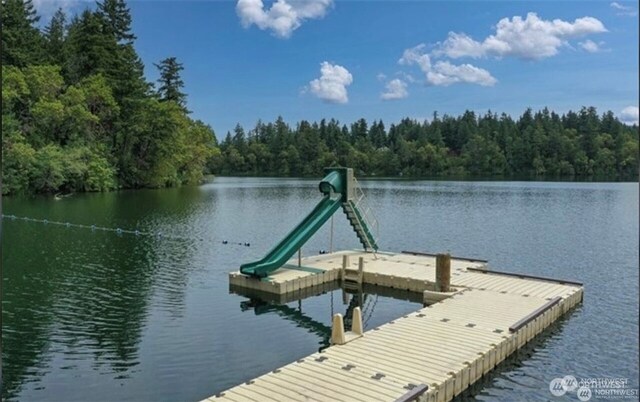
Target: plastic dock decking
445 346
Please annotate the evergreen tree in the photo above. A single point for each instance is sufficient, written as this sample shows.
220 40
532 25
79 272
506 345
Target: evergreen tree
171 83
97 127
117 17
127 70
55 34
87 121
22 42
91 48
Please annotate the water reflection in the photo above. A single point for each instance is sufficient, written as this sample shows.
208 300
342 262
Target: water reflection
82 301
344 298
91 315
295 315
73 296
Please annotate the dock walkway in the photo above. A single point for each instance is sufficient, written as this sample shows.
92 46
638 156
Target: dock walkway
446 346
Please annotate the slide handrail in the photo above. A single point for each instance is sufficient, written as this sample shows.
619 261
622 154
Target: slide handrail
365 210
338 187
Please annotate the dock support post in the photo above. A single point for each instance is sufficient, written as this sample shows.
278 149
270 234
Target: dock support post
443 272
356 321
360 269
337 330
345 265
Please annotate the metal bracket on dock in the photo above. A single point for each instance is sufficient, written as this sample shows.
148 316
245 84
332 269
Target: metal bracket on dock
524 276
453 257
415 392
535 314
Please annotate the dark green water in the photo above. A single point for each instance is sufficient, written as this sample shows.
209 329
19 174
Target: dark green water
96 316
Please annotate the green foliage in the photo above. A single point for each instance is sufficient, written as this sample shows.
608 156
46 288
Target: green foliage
483 156
170 82
78 115
87 170
91 49
87 121
540 144
22 42
70 169
54 35
18 158
14 90
117 19
44 82
48 169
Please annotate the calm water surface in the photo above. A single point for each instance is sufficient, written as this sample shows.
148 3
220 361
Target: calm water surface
100 316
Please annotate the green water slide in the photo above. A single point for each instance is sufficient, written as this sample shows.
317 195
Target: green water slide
334 188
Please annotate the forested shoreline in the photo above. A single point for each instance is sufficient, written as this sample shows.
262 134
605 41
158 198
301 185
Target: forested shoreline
79 115
542 144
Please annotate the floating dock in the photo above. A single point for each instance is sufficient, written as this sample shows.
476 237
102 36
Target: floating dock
433 354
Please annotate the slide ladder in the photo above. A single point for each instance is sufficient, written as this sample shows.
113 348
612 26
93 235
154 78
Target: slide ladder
340 189
361 218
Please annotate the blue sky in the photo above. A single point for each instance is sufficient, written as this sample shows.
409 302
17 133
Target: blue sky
247 60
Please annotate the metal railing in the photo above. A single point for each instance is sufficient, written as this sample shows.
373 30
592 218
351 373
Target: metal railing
365 210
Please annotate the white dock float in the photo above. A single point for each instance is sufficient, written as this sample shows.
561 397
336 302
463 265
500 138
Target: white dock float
446 346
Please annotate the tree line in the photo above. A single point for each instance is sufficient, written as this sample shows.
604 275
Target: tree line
78 113
542 144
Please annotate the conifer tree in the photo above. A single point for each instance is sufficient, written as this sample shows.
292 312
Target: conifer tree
117 17
91 49
171 83
22 42
55 34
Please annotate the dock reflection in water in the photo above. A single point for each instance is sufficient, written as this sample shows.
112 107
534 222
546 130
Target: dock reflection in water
343 299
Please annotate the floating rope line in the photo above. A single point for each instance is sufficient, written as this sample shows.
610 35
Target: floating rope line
118 231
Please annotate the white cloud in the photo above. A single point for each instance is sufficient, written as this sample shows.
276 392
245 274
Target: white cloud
283 17
460 45
531 38
624 10
406 77
590 46
629 115
332 84
381 76
443 73
416 55
395 89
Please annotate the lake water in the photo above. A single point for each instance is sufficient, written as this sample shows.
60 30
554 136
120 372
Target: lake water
94 315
